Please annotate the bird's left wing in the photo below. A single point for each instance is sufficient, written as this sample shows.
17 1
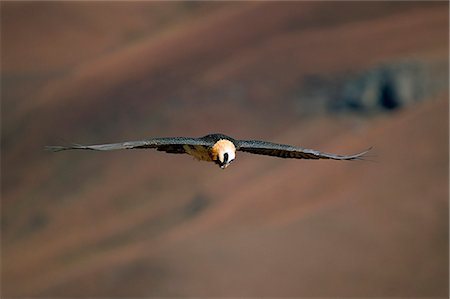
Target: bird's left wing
288 151
170 145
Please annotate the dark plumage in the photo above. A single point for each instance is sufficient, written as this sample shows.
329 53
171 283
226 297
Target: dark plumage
214 148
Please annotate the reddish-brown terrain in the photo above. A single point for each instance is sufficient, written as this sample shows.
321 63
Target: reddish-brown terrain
145 223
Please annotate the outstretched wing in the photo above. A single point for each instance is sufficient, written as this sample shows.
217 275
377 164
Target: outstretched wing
175 145
288 151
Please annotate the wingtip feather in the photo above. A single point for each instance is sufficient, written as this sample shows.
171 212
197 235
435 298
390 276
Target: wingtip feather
58 148
360 156
52 148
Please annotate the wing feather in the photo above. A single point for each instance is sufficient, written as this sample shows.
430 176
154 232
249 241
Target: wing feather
169 144
288 151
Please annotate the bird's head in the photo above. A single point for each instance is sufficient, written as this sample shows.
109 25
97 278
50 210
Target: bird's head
224 152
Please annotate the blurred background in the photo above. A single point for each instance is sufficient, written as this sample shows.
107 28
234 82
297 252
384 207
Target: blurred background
337 77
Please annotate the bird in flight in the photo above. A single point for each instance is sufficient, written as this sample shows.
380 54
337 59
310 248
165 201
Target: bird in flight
217 148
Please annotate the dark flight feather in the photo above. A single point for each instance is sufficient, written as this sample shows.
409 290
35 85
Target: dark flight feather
175 145
169 145
288 151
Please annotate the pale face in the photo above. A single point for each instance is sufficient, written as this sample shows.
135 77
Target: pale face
226 157
225 151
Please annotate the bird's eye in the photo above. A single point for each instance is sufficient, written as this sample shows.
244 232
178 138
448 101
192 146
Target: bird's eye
225 158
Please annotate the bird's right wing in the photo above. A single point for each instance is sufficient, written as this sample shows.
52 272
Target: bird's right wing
170 145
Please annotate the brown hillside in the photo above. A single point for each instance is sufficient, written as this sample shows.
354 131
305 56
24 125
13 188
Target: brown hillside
144 223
